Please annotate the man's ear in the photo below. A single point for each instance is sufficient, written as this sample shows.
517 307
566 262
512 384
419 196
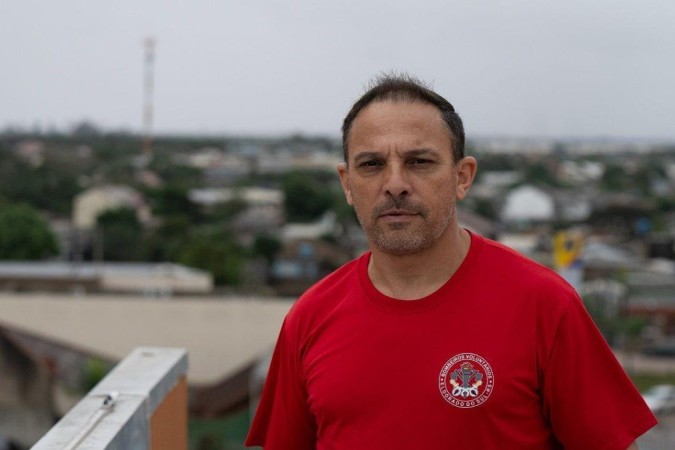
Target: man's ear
466 172
343 172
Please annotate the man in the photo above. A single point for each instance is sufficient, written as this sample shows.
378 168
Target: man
437 338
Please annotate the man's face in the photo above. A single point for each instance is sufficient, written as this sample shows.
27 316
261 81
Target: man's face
400 176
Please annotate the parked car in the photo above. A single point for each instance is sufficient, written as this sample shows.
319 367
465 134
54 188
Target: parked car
660 398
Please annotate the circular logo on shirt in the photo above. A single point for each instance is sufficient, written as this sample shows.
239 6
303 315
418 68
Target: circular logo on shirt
466 380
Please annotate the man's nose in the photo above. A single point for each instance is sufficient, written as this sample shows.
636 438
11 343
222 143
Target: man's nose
396 183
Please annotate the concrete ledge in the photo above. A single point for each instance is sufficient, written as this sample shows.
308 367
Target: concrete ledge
137 387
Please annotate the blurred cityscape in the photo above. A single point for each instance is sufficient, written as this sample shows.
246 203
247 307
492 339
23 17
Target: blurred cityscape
204 242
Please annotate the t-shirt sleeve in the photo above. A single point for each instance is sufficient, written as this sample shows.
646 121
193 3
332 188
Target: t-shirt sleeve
283 420
588 398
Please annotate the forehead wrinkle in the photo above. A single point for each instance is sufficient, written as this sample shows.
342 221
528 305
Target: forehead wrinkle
420 152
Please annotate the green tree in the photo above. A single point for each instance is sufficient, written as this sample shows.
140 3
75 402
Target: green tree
614 178
172 200
121 233
216 251
24 234
486 208
228 210
540 173
266 246
115 147
46 187
175 174
305 197
166 241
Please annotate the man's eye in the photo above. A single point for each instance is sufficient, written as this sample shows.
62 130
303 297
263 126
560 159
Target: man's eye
372 163
419 161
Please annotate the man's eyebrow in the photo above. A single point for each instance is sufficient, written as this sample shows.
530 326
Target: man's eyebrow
412 153
367 155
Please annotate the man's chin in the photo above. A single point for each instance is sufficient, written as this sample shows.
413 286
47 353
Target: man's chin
400 246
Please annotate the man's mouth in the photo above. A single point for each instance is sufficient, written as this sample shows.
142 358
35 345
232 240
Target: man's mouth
397 213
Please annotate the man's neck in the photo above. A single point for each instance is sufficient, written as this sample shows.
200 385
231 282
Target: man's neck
411 277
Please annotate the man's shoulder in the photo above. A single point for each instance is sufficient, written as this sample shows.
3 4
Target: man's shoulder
503 261
327 293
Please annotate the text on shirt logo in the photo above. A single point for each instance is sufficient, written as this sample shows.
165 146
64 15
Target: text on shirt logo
466 380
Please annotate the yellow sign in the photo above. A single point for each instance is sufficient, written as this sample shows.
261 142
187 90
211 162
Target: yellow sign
568 246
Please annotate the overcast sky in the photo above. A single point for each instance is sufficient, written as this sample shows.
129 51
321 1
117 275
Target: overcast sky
516 68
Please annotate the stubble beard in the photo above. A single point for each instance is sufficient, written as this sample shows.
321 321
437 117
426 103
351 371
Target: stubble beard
402 239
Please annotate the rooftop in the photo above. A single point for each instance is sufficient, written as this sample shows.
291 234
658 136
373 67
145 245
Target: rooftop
221 336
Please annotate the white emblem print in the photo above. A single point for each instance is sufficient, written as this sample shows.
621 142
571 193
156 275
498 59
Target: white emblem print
466 380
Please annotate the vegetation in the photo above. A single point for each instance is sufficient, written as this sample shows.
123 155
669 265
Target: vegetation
541 174
614 326
644 381
216 251
267 247
615 178
93 371
306 197
24 234
226 433
171 200
121 234
44 187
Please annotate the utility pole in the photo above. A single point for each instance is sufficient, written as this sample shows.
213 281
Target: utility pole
148 87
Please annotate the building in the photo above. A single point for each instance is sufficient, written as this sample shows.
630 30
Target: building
26 406
528 204
225 338
91 203
153 279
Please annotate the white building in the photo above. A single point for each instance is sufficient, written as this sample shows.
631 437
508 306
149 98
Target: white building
93 202
528 204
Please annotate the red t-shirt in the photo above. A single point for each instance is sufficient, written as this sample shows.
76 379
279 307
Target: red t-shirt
502 356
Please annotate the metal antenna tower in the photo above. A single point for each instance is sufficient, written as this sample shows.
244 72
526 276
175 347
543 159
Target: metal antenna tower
148 87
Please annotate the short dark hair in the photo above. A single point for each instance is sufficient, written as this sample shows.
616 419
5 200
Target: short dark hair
406 88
